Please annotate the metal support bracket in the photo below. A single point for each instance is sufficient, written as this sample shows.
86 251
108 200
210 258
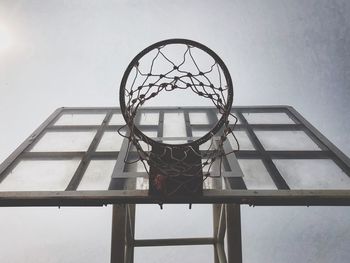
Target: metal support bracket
226 222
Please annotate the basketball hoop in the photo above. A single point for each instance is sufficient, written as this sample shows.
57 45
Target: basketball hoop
177 168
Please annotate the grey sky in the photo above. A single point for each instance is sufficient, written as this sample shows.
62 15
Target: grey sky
73 53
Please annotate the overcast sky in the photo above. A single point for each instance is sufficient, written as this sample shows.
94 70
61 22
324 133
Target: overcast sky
73 53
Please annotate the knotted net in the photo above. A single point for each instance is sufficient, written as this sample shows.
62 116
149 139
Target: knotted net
169 66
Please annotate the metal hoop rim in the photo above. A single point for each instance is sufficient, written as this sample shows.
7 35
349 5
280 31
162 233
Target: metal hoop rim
222 65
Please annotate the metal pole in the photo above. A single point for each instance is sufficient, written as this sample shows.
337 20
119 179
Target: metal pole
130 232
216 217
174 242
222 224
118 234
233 232
221 252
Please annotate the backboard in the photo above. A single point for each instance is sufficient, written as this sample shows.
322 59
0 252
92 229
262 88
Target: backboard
76 157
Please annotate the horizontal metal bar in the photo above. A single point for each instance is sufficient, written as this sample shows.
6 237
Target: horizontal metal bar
284 154
250 197
69 128
277 127
242 154
268 127
122 174
299 154
77 128
214 174
206 127
262 108
51 155
88 110
173 242
252 108
65 155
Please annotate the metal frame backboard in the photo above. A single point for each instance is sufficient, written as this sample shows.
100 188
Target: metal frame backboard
124 182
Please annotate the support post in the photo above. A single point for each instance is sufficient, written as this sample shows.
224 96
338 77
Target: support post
233 232
221 252
118 234
130 233
222 224
226 218
216 218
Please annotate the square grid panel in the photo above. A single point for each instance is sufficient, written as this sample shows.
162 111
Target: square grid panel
77 156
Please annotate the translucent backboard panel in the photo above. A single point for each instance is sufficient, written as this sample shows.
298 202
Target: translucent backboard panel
77 157
136 167
80 119
97 175
212 183
268 118
117 119
313 174
286 141
199 118
64 141
243 140
149 118
151 134
145 146
40 175
197 133
111 141
174 124
142 183
255 174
